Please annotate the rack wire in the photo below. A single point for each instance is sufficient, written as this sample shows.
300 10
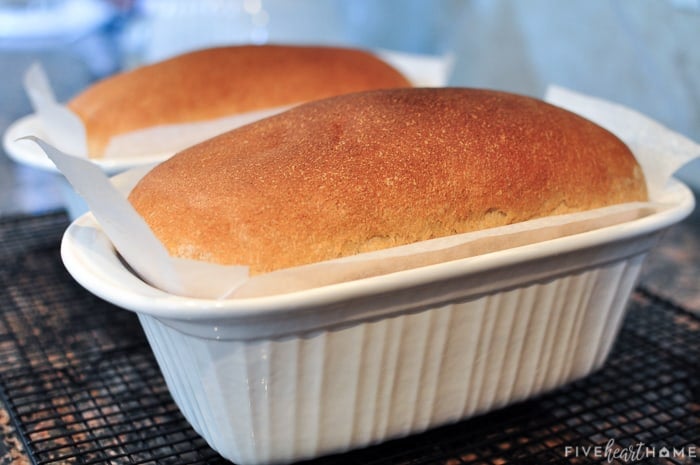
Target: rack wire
81 385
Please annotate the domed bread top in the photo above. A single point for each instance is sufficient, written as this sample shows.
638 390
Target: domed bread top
223 81
377 169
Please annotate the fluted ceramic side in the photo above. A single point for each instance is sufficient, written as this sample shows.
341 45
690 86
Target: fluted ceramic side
273 401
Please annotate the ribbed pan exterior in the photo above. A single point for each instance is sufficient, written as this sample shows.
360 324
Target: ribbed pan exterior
325 391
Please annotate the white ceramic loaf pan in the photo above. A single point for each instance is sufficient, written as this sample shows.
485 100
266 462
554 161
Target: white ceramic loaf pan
288 377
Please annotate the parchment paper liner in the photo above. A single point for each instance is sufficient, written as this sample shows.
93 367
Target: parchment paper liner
659 151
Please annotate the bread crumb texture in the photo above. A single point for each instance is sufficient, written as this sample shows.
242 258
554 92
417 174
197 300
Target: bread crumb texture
377 169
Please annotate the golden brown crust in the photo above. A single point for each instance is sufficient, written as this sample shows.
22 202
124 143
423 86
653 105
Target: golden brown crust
223 81
378 169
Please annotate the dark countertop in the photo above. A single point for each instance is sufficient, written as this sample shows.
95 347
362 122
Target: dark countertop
672 269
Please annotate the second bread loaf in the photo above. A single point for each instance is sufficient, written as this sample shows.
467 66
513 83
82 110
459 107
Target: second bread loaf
224 81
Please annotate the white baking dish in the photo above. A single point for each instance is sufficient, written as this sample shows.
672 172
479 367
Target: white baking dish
287 377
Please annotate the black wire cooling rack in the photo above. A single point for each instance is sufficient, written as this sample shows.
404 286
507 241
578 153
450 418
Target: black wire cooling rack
81 385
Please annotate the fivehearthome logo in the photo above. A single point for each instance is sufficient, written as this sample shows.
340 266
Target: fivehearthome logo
612 452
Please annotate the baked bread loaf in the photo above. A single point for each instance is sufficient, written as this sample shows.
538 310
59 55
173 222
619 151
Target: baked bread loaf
377 169
224 81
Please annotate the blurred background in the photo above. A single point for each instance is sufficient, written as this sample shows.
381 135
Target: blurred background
641 53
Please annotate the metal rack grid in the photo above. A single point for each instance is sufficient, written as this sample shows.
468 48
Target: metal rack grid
82 386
